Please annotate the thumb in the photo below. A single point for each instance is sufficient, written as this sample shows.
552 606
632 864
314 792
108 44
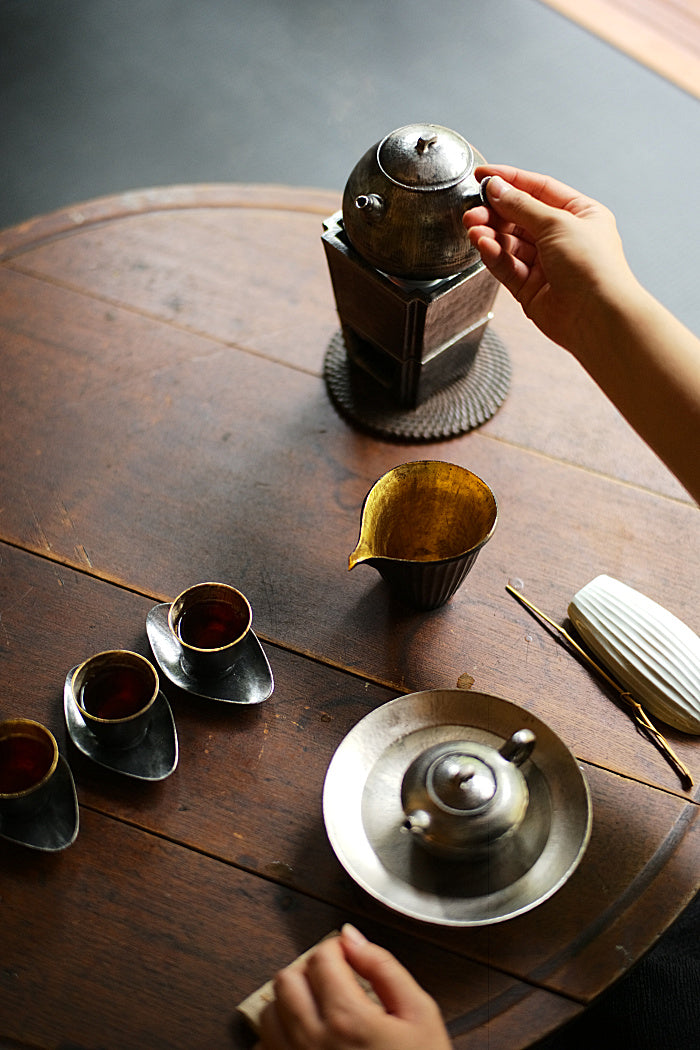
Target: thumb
521 209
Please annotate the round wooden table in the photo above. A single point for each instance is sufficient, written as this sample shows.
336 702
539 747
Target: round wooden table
163 421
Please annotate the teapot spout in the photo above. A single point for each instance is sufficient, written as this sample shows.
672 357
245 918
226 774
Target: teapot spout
371 205
417 823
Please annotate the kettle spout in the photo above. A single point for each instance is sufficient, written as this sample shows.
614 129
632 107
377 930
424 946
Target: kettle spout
371 205
417 822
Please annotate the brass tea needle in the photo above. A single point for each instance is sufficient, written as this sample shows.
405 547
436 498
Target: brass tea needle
638 713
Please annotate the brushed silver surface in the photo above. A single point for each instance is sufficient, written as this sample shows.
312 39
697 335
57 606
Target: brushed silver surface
154 758
249 681
56 825
364 817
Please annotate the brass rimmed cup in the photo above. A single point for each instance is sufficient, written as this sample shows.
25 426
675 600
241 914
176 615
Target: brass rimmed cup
28 762
115 692
422 527
210 622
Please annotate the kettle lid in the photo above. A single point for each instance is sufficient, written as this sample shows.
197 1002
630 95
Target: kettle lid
461 781
425 157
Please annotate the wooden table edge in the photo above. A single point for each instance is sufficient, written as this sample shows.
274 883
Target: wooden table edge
76 217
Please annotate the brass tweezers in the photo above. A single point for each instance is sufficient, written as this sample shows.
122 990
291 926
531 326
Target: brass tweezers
638 713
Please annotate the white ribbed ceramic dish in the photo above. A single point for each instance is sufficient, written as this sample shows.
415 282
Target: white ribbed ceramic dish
648 650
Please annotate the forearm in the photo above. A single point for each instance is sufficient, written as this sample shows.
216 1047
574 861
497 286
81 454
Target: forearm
648 364
559 254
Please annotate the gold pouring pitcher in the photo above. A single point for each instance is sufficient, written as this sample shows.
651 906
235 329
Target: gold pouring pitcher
422 527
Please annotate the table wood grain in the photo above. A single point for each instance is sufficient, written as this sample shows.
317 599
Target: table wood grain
164 420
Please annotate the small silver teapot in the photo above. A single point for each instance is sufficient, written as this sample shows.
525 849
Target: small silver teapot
404 200
462 798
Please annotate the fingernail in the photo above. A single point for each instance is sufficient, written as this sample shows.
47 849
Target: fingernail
494 189
353 934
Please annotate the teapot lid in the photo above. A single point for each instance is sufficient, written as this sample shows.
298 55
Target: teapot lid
462 781
425 157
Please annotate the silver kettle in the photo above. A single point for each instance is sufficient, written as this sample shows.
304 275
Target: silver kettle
462 799
404 200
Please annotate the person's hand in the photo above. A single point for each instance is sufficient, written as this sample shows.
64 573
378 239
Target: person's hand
557 251
319 1004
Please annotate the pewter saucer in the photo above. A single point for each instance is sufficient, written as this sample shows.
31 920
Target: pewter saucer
249 681
364 816
55 826
154 758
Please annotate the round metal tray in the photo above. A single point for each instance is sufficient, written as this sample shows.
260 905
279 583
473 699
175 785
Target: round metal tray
364 819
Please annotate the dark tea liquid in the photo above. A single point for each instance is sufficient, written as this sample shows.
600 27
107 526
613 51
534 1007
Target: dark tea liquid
116 692
211 623
24 761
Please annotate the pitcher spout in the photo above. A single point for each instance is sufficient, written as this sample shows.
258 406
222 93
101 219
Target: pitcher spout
362 552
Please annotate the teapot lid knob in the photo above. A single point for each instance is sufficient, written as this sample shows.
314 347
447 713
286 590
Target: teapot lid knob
425 141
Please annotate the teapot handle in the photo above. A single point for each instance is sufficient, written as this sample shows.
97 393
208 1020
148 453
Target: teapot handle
518 747
474 200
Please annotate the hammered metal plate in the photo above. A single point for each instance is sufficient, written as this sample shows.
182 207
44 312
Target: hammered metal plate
363 814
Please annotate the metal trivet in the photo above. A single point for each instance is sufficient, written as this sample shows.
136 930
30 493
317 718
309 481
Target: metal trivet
464 404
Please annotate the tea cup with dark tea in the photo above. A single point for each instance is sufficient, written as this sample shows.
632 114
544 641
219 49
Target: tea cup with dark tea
115 692
210 622
28 762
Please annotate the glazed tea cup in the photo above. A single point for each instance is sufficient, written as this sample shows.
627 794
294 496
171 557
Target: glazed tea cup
28 762
210 622
115 692
422 527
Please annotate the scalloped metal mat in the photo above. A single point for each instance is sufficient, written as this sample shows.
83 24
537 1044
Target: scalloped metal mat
461 406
